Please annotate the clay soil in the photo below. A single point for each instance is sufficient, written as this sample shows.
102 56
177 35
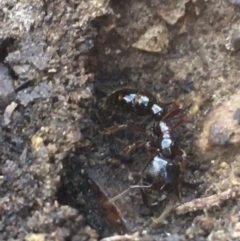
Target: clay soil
58 171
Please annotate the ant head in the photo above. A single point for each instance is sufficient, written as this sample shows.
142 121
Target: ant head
111 101
108 103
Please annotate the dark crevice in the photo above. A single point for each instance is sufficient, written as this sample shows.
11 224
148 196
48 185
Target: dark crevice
4 45
11 72
78 191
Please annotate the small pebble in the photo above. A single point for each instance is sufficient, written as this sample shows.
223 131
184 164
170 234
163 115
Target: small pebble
35 237
224 165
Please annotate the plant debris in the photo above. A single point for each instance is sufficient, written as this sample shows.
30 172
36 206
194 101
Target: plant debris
208 202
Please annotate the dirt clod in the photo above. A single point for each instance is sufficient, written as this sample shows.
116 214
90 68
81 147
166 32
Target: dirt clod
6 86
221 127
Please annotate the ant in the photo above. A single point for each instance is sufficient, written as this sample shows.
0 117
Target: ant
163 172
130 100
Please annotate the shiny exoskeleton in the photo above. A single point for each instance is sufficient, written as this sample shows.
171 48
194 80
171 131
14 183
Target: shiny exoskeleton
162 175
163 172
131 100
168 147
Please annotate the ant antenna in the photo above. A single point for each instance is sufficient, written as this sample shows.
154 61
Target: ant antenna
119 195
127 190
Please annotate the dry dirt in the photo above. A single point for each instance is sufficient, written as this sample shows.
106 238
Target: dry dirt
59 60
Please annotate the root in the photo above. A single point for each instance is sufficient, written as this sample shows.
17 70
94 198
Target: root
208 202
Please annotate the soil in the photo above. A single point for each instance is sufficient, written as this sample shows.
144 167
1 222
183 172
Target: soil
59 61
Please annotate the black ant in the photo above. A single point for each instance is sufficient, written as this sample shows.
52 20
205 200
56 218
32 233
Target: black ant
163 171
130 100
143 103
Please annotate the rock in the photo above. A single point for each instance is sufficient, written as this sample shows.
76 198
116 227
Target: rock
6 86
221 127
202 226
8 113
35 237
40 91
172 12
31 51
155 39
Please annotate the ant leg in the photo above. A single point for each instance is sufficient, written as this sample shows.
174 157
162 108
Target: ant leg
173 103
127 190
119 195
177 109
172 114
133 146
152 148
183 156
116 128
178 192
144 193
180 122
144 198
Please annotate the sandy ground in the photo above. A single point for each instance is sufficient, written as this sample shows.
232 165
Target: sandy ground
59 60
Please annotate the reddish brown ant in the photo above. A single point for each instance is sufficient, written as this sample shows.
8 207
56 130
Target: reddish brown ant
162 172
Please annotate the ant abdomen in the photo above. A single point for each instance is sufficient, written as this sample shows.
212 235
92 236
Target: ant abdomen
131 100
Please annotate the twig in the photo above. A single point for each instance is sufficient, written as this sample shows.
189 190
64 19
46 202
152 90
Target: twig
194 205
207 202
130 237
